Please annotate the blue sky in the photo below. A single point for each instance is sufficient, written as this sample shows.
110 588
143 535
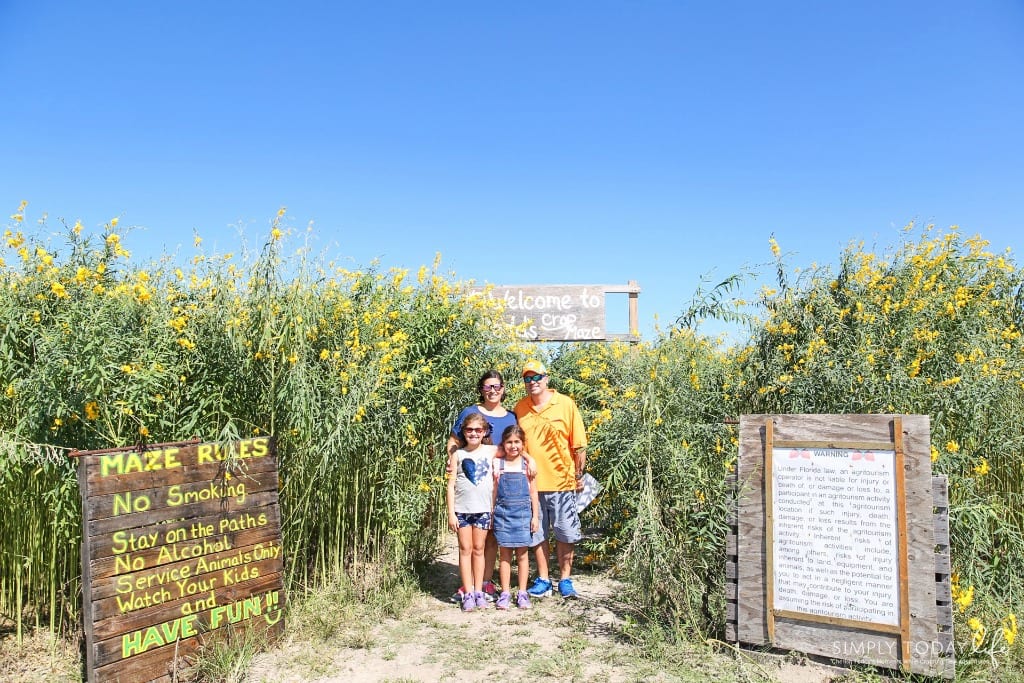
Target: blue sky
529 143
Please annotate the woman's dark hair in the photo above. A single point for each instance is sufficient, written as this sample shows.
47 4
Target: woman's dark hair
490 374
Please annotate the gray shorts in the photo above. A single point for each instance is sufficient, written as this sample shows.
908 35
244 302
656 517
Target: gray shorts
558 517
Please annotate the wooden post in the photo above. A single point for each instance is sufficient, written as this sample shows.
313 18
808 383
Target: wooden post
634 314
769 532
901 530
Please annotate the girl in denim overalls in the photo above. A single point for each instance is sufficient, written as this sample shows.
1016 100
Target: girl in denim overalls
516 513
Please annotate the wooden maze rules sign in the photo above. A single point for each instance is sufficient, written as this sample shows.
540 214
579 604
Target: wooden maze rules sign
181 541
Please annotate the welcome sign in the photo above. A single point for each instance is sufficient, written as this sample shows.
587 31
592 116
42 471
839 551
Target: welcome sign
180 540
562 312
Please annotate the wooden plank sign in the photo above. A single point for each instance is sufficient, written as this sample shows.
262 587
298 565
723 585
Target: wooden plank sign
181 541
554 312
836 542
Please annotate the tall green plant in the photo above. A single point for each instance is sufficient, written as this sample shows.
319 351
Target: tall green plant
660 444
358 374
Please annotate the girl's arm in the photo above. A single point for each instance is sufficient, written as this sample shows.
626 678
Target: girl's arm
531 465
495 473
535 504
453 521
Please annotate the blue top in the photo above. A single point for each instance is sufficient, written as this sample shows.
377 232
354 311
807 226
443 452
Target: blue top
498 424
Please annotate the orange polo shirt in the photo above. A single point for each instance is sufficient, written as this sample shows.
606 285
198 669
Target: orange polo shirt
553 433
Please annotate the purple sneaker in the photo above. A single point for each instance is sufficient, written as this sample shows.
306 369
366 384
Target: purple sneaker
468 602
504 600
481 600
523 600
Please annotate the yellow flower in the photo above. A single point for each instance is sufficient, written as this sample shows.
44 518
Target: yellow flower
325 354
403 410
114 222
935 453
425 487
977 631
964 597
142 293
275 233
1010 628
92 410
143 431
952 447
58 290
982 468
775 246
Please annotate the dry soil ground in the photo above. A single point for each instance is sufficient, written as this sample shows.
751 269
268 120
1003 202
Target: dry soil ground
432 640
557 640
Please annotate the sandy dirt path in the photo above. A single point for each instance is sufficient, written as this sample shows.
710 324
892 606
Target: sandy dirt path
557 640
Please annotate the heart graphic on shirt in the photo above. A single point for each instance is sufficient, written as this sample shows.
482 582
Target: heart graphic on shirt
473 473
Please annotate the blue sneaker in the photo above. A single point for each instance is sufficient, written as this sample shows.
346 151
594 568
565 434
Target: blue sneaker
541 588
566 589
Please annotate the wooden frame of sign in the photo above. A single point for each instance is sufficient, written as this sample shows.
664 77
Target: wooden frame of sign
181 542
841 544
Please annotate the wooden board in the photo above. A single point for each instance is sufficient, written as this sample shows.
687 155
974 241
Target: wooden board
783 629
553 312
181 542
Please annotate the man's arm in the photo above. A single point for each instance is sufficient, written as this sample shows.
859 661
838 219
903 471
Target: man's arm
579 457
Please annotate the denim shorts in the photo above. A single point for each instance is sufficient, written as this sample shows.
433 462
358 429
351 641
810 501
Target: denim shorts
481 520
558 517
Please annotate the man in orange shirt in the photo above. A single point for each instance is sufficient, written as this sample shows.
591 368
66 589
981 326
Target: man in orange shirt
556 439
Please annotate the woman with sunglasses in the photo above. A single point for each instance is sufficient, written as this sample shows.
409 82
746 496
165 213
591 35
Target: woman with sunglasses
491 387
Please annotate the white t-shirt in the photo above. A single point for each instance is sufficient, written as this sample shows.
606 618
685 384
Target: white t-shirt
474 482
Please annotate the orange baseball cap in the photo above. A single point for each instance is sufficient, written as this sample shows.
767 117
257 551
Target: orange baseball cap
534 367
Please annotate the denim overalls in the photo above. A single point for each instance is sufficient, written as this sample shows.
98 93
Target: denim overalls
512 508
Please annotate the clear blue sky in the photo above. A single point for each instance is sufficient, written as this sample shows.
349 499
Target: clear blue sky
543 143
